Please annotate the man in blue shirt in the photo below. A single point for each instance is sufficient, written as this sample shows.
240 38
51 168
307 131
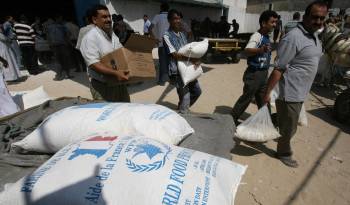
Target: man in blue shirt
258 50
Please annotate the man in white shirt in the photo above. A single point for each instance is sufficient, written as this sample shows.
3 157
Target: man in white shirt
146 25
159 25
99 41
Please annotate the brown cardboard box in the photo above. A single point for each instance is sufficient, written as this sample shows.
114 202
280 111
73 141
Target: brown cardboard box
135 57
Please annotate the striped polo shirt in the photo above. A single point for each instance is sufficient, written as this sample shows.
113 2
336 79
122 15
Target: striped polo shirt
25 34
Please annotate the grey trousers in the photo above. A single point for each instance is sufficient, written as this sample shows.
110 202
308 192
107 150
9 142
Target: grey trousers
254 86
287 118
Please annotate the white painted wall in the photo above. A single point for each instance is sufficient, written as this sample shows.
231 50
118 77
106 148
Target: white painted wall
237 10
133 11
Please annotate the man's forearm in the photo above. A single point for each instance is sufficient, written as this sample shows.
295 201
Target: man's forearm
273 80
252 51
99 67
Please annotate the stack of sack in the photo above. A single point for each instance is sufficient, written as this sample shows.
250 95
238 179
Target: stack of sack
187 70
121 153
30 98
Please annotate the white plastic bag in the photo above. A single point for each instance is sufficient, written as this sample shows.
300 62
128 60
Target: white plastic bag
194 49
107 169
7 105
258 127
67 125
302 117
187 71
30 98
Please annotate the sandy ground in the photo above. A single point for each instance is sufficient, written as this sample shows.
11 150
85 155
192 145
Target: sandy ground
322 148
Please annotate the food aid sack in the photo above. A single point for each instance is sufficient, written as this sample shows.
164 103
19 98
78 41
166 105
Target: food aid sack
194 49
30 98
108 169
69 124
188 72
258 127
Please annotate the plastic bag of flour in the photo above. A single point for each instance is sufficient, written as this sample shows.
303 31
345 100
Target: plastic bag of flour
194 49
258 127
107 169
188 72
31 98
69 124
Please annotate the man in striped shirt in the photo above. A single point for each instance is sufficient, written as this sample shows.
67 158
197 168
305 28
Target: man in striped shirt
26 39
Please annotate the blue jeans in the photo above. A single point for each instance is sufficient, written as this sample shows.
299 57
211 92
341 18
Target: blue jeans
188 94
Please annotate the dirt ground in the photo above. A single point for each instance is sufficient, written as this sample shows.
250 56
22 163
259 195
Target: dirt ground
322 148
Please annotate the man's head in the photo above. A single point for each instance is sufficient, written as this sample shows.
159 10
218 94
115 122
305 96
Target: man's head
233 20
174 20
145 17
315 15
267 21
164 7
296 16
101 18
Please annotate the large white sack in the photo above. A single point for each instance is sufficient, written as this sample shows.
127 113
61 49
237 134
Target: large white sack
188 72
107 170
30 98
194 49
258 127
67 125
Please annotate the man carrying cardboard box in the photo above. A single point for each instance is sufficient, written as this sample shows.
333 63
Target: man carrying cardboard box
99 41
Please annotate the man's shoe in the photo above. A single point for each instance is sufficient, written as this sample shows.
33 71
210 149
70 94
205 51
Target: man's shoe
288 161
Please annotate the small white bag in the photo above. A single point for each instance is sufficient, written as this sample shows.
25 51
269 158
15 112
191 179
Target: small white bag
258 127
187 71
194 49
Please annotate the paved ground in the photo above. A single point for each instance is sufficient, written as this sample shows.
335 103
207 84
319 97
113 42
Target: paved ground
322 148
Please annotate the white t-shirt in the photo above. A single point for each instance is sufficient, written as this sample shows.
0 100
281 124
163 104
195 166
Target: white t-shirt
161 25
254 40
82 32
96 44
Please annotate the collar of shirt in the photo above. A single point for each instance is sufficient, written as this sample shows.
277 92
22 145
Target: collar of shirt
307 33
108 38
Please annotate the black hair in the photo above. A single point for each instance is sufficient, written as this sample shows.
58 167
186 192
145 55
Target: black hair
296 16
318 3
164 7
266 15
88 15
94 9
145 15
172 13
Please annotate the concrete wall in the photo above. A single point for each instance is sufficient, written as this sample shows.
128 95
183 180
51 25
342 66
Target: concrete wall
237 10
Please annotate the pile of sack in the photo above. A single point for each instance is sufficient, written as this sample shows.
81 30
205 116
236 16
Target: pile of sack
121 153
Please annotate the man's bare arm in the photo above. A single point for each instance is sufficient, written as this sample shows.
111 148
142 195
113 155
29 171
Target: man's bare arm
273 80
100 68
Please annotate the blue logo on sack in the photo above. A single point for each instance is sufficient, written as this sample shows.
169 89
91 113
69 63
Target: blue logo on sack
145 155
93 105
96 146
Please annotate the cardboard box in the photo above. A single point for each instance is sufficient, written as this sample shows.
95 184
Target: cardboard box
135 57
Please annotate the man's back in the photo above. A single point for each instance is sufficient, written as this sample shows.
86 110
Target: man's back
161 25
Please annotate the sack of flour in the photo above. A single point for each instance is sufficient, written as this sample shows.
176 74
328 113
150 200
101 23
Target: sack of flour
188 72
258 127
30 98
107 169
69 124
194 49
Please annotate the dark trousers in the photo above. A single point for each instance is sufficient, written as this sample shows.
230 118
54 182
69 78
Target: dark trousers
63 57
30 58
254 86
287 118
110 93
188 94
163 65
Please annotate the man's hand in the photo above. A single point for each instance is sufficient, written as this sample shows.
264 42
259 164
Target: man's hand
122 75
266 98
4 62
265 48
196 62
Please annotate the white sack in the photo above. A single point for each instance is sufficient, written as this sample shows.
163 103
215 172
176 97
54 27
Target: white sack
107 170
302 117
194 49
258 127
67 125
30 98
187 71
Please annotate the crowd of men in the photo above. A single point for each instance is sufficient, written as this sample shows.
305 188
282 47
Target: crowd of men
298 54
